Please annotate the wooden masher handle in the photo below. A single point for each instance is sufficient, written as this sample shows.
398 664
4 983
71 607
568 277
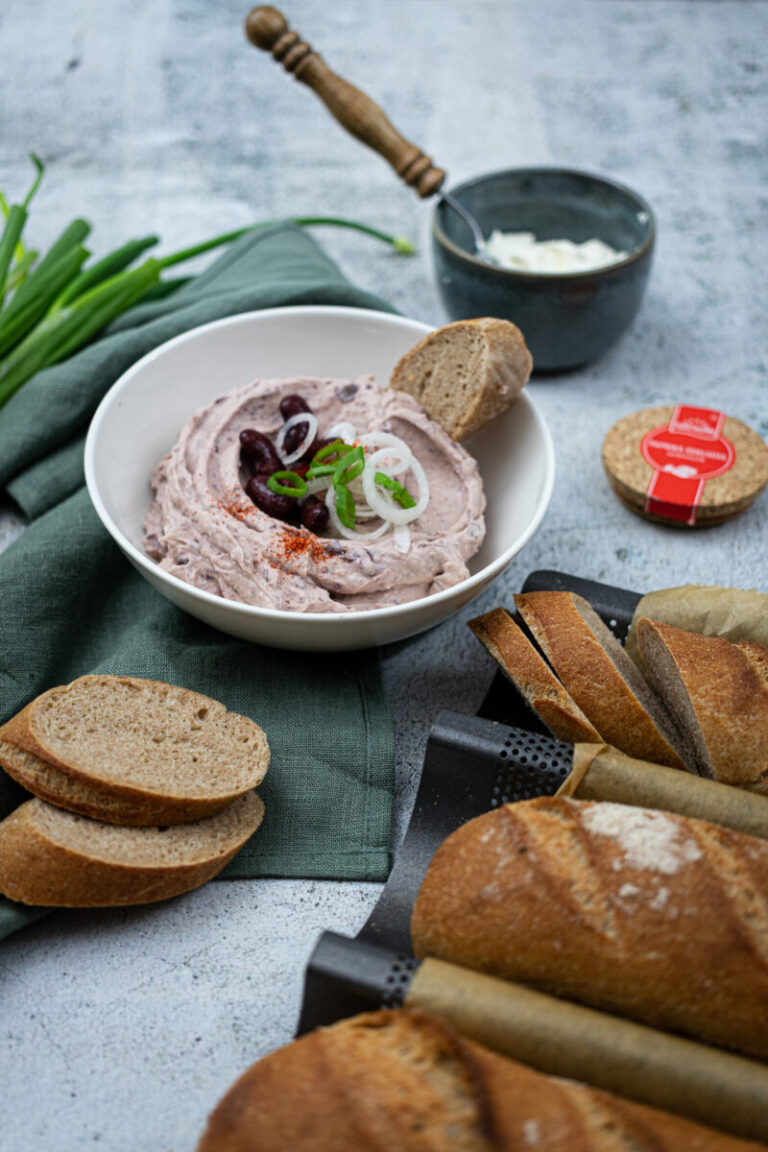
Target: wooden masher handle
267 28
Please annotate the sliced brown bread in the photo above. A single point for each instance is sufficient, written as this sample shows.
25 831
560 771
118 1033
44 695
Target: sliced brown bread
66 791
404 1081
718 693
52 857
465 373
130 750
534 679
601 678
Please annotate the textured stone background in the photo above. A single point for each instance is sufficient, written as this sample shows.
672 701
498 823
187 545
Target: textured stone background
122 1029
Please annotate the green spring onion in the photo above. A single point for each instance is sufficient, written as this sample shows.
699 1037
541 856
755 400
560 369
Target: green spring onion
296 485
349 467
51 307
401 494
345 505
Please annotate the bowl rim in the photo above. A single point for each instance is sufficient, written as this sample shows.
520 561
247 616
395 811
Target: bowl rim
520 273
253 611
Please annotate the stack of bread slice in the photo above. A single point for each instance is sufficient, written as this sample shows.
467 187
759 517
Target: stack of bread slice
143 790
700 703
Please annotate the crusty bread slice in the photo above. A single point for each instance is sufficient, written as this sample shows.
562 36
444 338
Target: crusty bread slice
601 678
66 791
465 373
161 749
718 693
534 679
52 857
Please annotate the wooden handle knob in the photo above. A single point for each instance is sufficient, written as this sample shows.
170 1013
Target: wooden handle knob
267 28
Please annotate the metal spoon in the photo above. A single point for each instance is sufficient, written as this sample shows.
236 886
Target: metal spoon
267 28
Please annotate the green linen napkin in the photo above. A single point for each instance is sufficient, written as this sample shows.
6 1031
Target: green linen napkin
70 603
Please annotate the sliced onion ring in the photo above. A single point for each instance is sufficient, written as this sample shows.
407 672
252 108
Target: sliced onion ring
349 533
343 431
402 535
307 418
382 502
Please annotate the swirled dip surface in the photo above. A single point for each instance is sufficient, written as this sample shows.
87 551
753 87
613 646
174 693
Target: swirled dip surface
203 528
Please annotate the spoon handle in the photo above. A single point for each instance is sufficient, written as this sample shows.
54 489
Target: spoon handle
267 28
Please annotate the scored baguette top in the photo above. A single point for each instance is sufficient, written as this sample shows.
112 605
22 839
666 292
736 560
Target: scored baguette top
601 678
532 676
404 1080
718 694
651 915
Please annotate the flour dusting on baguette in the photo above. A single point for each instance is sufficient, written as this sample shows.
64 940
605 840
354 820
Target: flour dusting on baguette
649 840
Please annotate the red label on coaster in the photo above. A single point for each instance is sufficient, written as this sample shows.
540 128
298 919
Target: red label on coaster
684 454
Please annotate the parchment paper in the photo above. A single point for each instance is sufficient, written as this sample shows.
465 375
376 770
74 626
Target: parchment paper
733 613
705 1084
602 773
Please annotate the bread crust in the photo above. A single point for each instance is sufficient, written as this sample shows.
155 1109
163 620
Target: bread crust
337 1090
650 915
506 367
532 676
170 806
726 686
36 869
592 679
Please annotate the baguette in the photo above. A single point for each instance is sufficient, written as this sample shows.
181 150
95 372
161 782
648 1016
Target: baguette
402 1080
718 694
657 917
133 751
601 678
52 857
466 373
533 678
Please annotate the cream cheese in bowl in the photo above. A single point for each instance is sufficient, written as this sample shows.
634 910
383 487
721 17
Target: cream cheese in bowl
522 251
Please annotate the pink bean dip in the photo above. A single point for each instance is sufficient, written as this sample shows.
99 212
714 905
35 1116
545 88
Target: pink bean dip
205 530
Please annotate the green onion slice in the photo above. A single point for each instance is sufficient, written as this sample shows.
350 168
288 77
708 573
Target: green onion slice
349 467
296 485
345 505
331 449
320 470
401 494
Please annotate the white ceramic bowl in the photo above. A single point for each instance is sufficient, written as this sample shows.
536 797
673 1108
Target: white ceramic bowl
140 417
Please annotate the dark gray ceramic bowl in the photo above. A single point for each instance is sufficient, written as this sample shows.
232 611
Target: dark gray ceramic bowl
567 319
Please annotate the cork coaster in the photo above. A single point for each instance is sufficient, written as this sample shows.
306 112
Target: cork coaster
685 465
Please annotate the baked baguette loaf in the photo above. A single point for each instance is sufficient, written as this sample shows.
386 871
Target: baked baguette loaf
533 678
52 857
466 373
653 916
404 1081
718 694
133 751
596 671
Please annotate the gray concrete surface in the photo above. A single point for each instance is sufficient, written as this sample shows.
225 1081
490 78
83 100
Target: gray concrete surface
121 1030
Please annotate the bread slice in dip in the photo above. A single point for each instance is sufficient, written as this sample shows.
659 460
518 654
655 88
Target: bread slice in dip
466 373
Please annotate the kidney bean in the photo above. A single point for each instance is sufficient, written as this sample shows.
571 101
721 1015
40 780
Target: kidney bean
294 437
280 507
314 514
258 451
292 405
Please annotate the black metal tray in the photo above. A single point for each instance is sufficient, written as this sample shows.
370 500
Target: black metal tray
471 765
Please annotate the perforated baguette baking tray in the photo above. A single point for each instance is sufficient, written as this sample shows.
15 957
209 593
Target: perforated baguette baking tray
473 764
